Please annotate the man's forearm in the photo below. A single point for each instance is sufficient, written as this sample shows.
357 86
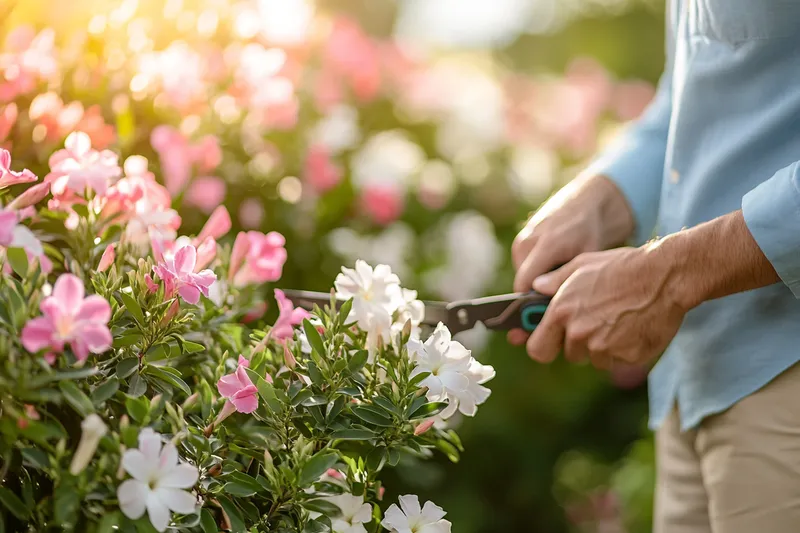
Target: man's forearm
712 260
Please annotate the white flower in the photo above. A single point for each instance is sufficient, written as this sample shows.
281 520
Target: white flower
339 130
388 159
158 481
92 430
455 376
376 296
412 519
411 309
355 513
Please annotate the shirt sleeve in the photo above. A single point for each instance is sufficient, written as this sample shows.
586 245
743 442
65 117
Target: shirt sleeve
771 212
635 161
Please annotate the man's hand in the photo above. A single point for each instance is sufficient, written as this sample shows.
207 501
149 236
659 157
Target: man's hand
611 306
624 306
587 215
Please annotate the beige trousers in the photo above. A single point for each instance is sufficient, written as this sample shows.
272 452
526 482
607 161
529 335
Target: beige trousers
739 471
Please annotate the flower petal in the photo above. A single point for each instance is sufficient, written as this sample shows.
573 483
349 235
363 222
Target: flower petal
37 334
442 526
395 520
68 292
136 464
150 445
189 293
168 457
96 336
410 505
94 308
185 259
228 385
181 476
24 238
432 512
178 500
132 495
158 512
246 400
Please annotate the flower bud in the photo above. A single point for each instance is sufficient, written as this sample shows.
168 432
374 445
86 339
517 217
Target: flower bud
172 312
107 259
190 401
124 422
267 458
31 196
288 358
424 426
120 468
93 429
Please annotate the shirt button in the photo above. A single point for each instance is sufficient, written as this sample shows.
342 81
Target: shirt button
674 176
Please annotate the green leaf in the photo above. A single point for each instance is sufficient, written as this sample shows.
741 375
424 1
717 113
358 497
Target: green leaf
302 396
317 399
109 523
386 404
18 260
105 391
126 367
334 408
43 431
344 311
76 398
192 347
127 340
315 374
314 338
36 458
12 502
133 307
358 361
376 458
137 386
448 449
169 377
429 409
265 390
81 210
234 516
316 526
371 415
329 509
316 466
207 521
67 500
353 434
236 489
137 408
416 380
72 375
244 480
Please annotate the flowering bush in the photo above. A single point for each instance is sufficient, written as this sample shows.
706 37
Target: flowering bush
139 392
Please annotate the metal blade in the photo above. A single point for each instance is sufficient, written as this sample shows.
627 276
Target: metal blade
436 312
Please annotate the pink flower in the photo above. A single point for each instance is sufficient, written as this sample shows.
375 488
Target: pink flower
352 55
238 388
288 317
251 213
78 166
94 124
383 204
69 318
320 170
174 154
13 234
48 110
107 258
178 275
206 252
255 312
27 58
206 153
7 176
206 193
257 258
32 195
217 225
8 117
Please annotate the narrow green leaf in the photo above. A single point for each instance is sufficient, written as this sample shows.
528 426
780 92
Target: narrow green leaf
265 390
386 404
317 399
192 347
36 458
344 311
109 523
126 367
358 361
376 458
373 416
329 509
137 408
137 386
18 260
127 340
207 521
81 210
236 489
316 466
72 375
233 514
169 377
353 434
244 480
315 374
105 391
66 501
416 380
12 502
302 396
429 409
76 398
314 338
133 307
334 408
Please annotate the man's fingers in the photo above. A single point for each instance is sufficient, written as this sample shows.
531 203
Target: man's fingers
517 337
550 282
539 260
521 247
546 340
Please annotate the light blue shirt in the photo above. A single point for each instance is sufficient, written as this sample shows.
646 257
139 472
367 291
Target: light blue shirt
723 133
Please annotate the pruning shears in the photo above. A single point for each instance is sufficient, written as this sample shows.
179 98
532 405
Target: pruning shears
501 313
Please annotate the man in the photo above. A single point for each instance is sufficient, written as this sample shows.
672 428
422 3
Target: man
712 170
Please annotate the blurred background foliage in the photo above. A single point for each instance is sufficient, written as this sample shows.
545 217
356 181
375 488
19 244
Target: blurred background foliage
420 133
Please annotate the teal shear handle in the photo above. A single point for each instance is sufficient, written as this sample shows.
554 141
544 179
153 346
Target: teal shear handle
532 313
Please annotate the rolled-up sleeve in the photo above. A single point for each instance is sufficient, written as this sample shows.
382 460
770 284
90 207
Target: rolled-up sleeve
771 212
635 161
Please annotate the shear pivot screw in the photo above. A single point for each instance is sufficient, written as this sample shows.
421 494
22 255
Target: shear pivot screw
463 317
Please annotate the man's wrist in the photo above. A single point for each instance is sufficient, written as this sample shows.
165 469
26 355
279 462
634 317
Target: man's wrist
711 260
